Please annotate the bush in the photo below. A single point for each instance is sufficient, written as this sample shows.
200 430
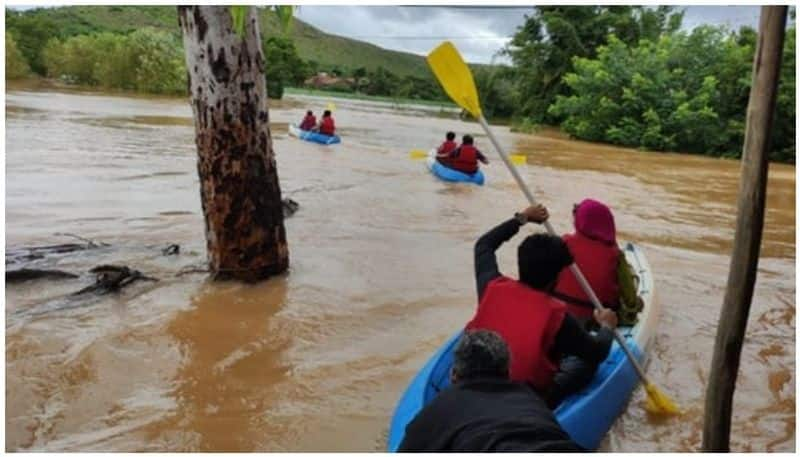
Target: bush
16 65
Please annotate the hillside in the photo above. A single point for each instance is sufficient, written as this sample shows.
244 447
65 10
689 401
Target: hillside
312 44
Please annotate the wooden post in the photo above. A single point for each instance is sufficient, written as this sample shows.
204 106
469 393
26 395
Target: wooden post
749 225
239 186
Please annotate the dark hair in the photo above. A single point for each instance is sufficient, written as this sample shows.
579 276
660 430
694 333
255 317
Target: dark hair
309 113
451 136
326 113
480 353
467 139
540 259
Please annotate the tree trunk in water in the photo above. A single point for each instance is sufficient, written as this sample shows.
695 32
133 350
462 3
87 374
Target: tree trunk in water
239 187
749 225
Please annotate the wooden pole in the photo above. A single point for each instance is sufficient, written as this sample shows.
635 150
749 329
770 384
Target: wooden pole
749 225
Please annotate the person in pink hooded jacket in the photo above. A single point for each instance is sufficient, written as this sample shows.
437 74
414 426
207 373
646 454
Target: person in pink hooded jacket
593 245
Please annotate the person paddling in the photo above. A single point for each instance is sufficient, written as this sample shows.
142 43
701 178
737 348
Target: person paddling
483 410
326 124
593 245
465 157
550 349
309 121
446 148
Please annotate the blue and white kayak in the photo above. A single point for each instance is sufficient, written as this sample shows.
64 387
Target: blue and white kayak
448 174
313 136
588 415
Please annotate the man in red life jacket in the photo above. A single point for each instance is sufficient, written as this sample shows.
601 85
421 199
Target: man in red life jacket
308 122
550 350
326 125
594 248
444 151
465 157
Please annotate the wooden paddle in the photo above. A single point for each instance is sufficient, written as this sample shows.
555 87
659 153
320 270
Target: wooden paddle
456 79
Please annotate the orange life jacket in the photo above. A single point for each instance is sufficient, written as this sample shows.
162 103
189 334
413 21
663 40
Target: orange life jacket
598 263
528 320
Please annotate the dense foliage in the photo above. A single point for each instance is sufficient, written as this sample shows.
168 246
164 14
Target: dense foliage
283 67
146 60
629 76
543 48
16 65
683 92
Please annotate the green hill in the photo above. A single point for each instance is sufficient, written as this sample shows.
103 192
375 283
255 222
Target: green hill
312 44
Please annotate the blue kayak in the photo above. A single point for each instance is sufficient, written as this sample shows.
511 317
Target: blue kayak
313 136
586 416
448 174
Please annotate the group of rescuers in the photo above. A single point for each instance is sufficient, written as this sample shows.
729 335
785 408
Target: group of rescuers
532 341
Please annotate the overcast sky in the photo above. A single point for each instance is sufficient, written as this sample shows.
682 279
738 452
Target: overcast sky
478 32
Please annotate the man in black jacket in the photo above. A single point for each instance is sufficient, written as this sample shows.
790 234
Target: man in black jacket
483 410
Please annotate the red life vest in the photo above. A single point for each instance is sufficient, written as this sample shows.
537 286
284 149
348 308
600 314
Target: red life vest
528 320
327 127
447 147
466 159
308 123
598 263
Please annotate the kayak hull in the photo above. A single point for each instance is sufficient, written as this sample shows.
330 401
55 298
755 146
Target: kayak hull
313 137
586 416
448 174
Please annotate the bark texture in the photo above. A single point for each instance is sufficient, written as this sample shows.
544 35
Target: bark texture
749 227
239 186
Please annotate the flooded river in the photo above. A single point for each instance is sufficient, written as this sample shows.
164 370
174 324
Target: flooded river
381 274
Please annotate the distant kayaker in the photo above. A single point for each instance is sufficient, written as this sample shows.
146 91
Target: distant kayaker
326 124
446 148
536 326
465 157
309 121
594 248
484 410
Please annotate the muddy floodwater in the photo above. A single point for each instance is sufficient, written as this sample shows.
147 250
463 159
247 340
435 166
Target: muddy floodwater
381 274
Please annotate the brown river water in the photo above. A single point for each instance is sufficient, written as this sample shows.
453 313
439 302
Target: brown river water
381 274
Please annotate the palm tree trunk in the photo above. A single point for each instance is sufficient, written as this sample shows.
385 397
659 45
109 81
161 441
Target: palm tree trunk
239 186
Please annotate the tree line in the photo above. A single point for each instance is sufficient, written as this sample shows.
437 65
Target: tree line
152 60
624 75
630 76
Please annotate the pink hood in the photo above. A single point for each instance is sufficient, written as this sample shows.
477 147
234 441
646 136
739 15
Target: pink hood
594 220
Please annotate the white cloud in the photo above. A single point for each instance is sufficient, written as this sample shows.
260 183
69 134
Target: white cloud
478 32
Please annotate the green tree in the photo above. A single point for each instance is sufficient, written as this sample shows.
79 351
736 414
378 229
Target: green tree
499 97
160 63
543 48
31 33
685 92
16 66
283 66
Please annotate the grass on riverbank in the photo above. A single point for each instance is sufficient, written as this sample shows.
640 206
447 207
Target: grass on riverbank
375 98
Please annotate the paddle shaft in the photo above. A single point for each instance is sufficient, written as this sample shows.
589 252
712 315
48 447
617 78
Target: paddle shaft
574 267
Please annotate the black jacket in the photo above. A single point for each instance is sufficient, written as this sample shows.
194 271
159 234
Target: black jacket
488 414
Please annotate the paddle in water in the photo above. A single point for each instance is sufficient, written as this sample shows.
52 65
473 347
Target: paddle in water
456 79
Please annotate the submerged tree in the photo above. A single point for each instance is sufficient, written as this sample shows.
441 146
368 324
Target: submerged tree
239 186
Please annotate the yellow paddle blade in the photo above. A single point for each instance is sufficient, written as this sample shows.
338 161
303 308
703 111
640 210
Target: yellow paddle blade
518 159
658 402
418 154
455 77
331 107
